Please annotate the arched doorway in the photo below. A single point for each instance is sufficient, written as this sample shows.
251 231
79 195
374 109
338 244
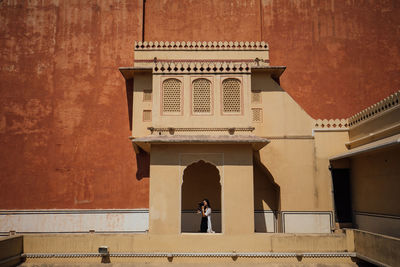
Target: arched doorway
200 180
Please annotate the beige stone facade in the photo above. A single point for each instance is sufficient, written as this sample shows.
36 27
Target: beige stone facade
367 175
221 103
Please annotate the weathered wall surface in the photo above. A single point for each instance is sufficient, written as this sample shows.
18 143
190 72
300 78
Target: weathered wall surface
341 55
64 123
63 113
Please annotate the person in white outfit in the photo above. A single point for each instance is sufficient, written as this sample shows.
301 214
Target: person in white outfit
205 226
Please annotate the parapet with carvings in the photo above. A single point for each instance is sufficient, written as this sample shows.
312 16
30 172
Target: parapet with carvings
196 45
376 109
331 124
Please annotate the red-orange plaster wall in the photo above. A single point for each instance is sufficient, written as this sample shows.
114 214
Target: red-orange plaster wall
63 112
64 122
341 55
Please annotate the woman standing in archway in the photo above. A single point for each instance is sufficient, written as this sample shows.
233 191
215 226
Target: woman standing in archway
205 225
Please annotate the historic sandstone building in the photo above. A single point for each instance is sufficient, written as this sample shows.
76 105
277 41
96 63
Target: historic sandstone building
199 106
216 124
207 119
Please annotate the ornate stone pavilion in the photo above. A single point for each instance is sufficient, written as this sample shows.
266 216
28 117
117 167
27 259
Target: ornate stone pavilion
216 124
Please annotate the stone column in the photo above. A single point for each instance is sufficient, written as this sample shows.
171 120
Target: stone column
238 195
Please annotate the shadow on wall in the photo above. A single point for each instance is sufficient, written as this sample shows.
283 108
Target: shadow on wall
260 81
200 180
142 158
267 199
143 164
129 100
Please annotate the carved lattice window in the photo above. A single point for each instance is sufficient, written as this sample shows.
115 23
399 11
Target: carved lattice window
171 96
231 96
257 114
201 96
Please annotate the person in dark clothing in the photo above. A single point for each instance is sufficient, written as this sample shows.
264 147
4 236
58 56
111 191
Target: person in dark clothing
205 210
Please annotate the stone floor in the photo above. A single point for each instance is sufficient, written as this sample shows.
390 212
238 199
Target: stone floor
190 265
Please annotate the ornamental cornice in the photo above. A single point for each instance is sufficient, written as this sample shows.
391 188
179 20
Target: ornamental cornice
196 254
195 45
377 109
331 124
203 67
389 102
172 130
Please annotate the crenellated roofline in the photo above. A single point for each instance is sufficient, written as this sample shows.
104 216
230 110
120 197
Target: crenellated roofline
197 45
376 109
331 124
212 56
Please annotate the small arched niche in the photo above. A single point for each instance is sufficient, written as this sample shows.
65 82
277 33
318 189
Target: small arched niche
200 180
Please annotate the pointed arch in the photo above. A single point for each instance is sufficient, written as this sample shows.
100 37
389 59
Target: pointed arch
201 180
